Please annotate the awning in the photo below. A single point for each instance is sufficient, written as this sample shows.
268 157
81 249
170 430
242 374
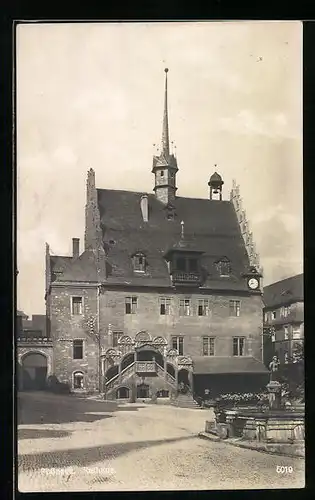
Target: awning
204 365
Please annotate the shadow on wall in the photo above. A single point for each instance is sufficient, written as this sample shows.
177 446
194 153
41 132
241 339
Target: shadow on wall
55 409
86 456
41 434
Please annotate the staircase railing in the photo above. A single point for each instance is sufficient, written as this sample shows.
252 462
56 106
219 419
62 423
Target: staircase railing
167 376
126 371
115 380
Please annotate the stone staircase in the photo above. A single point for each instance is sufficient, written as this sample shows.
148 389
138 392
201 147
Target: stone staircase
185 401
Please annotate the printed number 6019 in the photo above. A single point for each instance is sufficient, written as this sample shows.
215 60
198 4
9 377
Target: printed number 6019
284 469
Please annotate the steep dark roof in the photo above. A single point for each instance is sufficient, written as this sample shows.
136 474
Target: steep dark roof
211 226
82 268
284 292
219 364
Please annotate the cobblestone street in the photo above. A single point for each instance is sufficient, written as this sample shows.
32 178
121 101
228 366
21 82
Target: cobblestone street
71 444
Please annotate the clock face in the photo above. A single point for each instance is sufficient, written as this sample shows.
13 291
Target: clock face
253 283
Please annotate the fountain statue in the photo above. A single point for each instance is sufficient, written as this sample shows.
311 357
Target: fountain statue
274 386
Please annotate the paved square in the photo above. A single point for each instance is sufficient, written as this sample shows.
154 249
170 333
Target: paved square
71 444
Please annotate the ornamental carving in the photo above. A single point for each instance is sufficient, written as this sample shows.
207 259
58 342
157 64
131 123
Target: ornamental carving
125 339
159 340
172 353
184 360
143 337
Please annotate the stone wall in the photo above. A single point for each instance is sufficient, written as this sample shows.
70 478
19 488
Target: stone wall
218 324
65 328
111 306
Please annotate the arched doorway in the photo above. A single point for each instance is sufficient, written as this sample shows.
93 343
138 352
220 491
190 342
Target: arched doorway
122 393
148 354
183 380
34 371
143 391
78 380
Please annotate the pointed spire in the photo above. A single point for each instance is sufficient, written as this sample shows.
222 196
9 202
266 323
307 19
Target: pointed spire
165 134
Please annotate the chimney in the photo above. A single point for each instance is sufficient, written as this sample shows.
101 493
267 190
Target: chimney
144 207
75 247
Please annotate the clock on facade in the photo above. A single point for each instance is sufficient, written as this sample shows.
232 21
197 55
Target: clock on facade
253 283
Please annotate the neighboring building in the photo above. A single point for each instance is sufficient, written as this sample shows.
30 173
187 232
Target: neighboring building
283 318
166 291
34 351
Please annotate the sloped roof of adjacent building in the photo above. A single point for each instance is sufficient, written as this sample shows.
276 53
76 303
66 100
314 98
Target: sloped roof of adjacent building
80 269
203 365
284 292
211 227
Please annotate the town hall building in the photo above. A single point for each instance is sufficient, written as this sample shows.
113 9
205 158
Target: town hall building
166 295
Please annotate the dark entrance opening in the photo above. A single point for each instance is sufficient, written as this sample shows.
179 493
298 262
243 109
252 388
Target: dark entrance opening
111 372
34 372
171 370
150 355
122 393
183 381
143 391
127 360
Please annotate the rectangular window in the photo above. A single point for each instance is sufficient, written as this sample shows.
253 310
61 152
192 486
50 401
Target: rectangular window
208 346
78 349
131 305
274 315
238 346
178 343
296 332
203 307
116 337
184 307
235 308
286 332
76 306
165 305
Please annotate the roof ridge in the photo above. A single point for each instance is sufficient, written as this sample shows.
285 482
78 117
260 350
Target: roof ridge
284 279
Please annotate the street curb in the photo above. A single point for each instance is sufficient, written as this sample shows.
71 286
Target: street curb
239 444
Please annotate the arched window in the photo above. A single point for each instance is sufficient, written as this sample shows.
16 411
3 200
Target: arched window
78 380
139 262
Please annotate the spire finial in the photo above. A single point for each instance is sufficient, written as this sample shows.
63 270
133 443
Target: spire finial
183 228
165 134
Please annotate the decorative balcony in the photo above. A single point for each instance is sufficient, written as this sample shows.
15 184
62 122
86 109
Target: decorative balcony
33 339
146 367
180 277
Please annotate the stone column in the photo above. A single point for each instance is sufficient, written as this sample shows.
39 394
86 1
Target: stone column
191 380
119 372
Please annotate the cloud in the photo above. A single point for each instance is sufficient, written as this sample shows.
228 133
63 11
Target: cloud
246 122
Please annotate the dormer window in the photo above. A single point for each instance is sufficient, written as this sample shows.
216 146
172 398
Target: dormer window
139 263
224 267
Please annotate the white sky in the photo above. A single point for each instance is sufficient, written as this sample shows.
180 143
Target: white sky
91 95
